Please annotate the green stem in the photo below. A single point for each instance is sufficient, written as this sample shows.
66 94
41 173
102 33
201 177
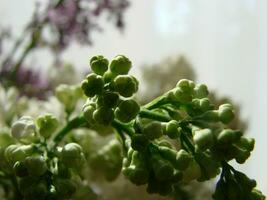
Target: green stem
120 126
152 115
155 103
72 124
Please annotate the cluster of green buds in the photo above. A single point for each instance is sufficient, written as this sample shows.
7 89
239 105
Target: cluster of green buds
40 169
109 89
176 138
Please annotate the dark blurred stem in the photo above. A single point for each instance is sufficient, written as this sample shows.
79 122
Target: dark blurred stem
26 51
17 195
14 49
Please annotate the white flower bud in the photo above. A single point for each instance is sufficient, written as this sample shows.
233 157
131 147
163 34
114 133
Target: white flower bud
24 129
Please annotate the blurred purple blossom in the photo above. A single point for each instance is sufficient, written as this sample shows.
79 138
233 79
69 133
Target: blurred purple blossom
30 82
75 19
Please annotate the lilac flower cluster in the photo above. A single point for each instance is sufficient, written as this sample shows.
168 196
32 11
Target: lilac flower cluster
66 21
75 19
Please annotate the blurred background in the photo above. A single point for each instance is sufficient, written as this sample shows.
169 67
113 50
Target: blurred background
223 40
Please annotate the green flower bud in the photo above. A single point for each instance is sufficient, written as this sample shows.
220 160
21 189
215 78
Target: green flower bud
137 172
24 129
109 100
125 85
246 143
203 139
127 110
153 130
93 85
256 195
202 104
192 172
168 154
201 91
47 125
162 168
228 136
99 64
210 168
20 169
65 188
241 155
109 76
88 111
226 113
120 65
36 165
72 155
183 159
15 153
103 115
182 96
172 129
247 183
186 85
139 142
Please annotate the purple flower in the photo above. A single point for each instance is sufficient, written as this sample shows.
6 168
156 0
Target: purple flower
75 19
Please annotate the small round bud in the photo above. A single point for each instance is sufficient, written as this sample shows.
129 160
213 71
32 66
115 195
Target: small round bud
47 124
24 129
99 64
127 110
226 113
228 136
182 96
72 155
93 85
162 168
103 115
183 159
168 154
137 172
109 76
88 110
110 99
172 129
203 139
246 143
120 65
153 130
186 85
139 142
16 152
125 85
36 165
201 91
192 172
